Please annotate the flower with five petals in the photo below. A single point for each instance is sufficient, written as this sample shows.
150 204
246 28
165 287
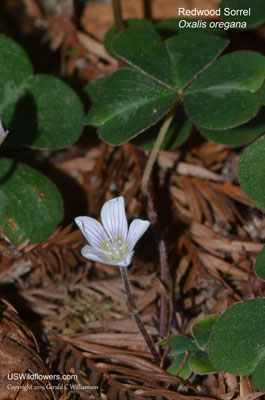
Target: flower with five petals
111 242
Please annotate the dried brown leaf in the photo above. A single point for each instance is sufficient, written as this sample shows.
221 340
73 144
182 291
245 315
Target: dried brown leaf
19 354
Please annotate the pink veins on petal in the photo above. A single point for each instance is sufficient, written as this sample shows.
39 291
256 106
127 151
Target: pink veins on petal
110 242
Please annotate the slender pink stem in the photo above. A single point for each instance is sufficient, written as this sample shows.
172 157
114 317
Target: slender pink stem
135 314
164 299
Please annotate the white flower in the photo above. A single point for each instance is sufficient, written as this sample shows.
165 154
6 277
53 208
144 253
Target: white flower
110 242
3 133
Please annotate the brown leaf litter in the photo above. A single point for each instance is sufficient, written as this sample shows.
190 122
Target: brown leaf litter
80 306
76 308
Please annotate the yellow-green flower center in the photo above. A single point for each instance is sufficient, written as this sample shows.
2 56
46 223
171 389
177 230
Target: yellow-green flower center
115 249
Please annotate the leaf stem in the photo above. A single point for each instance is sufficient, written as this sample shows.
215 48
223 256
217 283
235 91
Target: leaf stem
135 314
153 155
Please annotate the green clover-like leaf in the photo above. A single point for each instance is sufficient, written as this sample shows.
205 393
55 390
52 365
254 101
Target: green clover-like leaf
30 204
251 171
237 343
39 111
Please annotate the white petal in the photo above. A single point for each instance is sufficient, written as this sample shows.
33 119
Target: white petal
92 230
113 218
126 261
3 133
93 254
97 255
136 230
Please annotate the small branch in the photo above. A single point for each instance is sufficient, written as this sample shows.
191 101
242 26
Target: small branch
135 314
15 271
182 362
33 9
65 7
147 9
153 155
119 23
117 11
95 47
62 7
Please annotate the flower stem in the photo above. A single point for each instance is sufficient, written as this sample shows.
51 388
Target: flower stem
153 155
135 314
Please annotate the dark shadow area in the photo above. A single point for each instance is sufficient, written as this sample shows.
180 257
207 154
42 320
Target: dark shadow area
74 197
174 135
7 175
31 39
23 129
10 292
245 40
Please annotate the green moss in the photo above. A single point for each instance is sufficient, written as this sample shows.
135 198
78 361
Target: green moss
84 309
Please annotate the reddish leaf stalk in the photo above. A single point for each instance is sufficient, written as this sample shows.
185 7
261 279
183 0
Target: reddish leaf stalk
144 187
164 271
164 278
